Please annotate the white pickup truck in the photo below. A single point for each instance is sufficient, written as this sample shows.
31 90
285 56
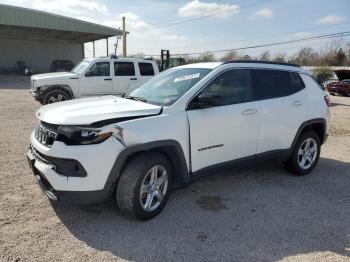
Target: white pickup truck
93 77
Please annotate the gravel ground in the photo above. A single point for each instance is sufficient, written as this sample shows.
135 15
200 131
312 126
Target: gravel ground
258 213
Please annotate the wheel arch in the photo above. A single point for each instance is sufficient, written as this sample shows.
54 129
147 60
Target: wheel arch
171 149
48 88
318 125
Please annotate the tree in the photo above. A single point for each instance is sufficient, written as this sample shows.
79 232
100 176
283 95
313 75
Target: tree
280 57
305 57
265 56
341 57
230 56
206 57
246 57
322 74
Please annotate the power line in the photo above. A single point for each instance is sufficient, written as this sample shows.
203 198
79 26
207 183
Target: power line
327 36
269 36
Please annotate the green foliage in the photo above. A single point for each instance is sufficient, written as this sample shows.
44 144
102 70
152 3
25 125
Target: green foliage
322 74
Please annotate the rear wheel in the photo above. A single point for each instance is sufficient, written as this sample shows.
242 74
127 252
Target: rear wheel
55 96
144 186
305 154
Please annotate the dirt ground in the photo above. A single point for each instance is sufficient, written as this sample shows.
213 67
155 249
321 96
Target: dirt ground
259 213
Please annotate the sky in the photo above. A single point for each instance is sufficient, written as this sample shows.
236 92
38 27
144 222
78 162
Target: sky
190 26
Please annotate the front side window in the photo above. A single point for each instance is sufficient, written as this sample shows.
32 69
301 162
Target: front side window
80 68
232 87
124 69
165 88
275 83
99 69
146 69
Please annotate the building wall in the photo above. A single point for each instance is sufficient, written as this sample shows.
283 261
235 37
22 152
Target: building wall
38 55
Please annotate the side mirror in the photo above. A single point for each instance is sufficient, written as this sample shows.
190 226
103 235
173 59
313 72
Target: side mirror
89 73
206 100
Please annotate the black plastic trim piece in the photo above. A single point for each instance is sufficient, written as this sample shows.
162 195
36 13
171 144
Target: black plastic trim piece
259 62
171 148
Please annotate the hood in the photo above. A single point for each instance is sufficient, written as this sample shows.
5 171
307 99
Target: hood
90 110
53 76
342 74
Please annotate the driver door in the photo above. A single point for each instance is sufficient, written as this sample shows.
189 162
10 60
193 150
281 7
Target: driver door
97 80
228 129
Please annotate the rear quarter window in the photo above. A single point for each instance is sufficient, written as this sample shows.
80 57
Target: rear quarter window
276 83
146 69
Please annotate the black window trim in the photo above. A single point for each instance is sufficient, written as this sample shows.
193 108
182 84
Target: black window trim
124 62
214 78
251 68
275 69
97 63
138 64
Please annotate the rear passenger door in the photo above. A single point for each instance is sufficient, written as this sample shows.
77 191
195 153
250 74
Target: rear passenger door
282 98
124 77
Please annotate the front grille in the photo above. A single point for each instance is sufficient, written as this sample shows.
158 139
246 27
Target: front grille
46 133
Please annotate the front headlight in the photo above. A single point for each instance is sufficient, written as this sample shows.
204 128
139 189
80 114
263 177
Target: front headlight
75 135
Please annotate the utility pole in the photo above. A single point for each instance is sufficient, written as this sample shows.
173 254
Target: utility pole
124 38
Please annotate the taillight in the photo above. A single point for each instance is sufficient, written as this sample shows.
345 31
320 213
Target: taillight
327 100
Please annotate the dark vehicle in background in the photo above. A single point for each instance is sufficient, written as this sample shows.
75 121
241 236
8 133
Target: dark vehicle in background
61 65
341 87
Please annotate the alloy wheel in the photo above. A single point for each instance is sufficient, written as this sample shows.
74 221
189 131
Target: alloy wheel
307 153
153 188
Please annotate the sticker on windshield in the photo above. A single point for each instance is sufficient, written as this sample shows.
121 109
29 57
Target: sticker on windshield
188 77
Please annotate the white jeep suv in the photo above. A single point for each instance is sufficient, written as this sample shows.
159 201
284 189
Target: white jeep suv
93 77
185 122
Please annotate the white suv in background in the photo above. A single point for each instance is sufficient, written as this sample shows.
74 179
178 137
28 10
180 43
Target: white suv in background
185 122
93 77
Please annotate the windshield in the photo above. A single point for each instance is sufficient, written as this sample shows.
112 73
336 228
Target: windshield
79 68
165 88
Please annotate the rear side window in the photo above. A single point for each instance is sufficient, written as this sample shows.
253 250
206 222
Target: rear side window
124 69
146 69
275 83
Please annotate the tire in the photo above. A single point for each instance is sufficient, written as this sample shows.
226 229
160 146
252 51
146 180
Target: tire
55 95
300 155
137 174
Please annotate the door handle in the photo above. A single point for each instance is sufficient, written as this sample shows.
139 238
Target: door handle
108 79
250 111
297 103
133 78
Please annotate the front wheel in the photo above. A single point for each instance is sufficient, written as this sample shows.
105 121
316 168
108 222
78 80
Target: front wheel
54 96
144 186
305 154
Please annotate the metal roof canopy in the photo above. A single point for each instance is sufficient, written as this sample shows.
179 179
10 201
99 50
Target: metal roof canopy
23 23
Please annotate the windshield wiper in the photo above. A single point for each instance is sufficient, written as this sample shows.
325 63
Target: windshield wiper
136 98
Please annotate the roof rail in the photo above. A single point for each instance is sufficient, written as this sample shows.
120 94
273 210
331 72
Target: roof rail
260 62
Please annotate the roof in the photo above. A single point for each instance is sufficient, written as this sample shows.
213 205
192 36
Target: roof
122 59
15 22
250 64
208 65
